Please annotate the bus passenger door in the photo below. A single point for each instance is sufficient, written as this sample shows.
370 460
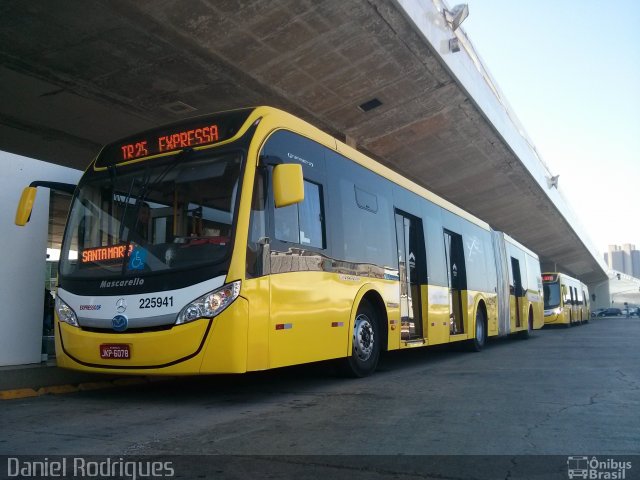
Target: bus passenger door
516 291
412 266
457 280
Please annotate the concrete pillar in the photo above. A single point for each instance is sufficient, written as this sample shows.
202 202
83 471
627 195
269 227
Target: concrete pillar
22 256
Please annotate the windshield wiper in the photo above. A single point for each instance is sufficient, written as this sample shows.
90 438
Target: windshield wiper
124 210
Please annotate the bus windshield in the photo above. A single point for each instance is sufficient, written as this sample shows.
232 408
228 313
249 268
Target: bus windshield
157 215
551 294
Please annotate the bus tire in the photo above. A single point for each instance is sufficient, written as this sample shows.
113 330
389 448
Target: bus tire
524 334
477 343
367 342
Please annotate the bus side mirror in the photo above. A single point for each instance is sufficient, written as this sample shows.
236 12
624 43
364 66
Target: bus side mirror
23 213
288 185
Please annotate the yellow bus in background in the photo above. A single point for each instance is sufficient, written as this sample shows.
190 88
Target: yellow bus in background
249 240
566 300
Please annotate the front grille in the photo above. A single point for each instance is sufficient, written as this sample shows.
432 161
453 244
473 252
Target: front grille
157 328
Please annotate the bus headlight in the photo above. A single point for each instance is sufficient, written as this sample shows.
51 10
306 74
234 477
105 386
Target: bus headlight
211 304
66 313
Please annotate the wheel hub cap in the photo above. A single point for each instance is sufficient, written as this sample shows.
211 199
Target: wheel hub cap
363 338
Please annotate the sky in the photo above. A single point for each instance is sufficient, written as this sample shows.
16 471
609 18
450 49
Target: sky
570 69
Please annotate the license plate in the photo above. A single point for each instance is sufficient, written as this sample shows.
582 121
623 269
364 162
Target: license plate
115 351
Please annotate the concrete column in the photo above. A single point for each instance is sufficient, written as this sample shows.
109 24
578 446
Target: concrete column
22 256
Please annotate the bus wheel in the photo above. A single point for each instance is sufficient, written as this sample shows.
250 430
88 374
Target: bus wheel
476 344
366 342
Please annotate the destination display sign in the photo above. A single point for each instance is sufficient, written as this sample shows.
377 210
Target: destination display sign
191 133
548 278
166 143
111 253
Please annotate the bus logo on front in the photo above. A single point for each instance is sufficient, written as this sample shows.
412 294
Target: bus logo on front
121 305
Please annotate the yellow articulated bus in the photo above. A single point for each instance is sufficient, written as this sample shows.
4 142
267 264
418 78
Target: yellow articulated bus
249 240
522 289
566 300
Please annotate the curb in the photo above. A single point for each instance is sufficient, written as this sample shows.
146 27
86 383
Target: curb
19 393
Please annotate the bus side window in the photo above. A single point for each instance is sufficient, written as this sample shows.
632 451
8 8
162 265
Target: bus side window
286 224
303 223
573 297
579 296
311 216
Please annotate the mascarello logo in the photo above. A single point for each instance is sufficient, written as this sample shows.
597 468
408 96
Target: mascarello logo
597 469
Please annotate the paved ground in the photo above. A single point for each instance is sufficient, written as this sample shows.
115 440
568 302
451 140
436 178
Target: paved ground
572 391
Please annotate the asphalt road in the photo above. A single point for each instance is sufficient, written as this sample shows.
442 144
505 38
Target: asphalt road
573 391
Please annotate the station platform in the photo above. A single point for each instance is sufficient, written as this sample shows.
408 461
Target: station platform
34 380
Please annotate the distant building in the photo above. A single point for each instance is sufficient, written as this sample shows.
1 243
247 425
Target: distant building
625 259
635 263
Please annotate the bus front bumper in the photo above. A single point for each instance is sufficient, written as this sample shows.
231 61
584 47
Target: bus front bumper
553 317
217 345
